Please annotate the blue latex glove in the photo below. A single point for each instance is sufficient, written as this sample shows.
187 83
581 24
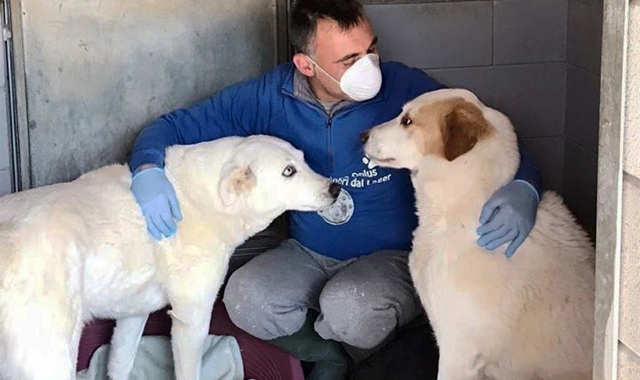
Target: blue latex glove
508 216
157 199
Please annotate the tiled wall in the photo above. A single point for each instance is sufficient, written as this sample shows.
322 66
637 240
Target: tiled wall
512 53
538 61
584 40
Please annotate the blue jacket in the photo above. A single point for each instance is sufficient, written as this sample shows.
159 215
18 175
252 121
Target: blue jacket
376 208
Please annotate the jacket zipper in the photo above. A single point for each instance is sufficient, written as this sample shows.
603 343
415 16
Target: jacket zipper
329 123
329 144
328 126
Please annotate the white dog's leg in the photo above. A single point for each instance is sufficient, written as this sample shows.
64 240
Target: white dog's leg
191 306
190 326
40 344
50 360
460 363
191 296
124 345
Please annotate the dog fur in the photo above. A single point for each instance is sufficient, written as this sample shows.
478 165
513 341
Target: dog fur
525 318
80 250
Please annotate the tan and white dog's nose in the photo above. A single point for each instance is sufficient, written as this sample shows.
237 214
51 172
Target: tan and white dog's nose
364 136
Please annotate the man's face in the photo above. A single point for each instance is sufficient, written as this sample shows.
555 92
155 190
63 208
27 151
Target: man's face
335 50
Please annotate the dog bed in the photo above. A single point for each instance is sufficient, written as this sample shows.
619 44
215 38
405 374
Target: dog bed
261 361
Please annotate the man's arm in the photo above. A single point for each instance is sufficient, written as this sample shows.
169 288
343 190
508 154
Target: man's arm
528 170
236 111
421 82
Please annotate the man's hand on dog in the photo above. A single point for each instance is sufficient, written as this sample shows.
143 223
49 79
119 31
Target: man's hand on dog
508 216
157 199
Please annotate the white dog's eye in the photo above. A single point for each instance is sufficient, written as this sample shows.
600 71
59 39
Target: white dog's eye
405 121
289 171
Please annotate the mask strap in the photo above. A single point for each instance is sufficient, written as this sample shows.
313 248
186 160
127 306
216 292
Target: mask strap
321 69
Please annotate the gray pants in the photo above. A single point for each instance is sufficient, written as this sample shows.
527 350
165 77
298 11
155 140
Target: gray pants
361 301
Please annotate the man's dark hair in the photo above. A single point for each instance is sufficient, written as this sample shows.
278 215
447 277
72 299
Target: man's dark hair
306 13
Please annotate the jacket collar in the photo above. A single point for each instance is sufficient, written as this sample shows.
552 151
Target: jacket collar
296 85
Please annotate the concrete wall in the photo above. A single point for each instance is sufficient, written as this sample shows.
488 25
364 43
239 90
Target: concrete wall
97 71
629 299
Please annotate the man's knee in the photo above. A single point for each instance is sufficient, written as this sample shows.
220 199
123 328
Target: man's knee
355 316
257 308
243 289
245 300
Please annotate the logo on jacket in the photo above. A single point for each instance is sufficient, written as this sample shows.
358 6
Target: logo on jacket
340 211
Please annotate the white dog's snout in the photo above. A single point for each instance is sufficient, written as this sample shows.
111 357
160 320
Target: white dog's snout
334 189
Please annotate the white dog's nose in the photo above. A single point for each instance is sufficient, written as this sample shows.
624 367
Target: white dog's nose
334 189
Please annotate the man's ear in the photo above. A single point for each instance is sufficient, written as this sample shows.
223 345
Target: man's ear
303 64
235 181
464 126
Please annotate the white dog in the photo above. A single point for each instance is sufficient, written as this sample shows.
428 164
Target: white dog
80 250
524 318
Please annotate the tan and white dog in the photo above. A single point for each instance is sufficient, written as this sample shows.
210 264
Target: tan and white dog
80 250
525 318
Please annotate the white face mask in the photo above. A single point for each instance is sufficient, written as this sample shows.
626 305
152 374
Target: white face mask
362 80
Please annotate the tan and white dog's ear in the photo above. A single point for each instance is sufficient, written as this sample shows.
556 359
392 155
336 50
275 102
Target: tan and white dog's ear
235 181
464 126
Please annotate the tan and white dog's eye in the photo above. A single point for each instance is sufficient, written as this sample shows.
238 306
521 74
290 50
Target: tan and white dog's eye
405 121
289 171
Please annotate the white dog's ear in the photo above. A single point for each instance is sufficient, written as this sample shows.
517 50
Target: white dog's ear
464 126
235 181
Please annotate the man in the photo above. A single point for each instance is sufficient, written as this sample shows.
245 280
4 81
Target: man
343 276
